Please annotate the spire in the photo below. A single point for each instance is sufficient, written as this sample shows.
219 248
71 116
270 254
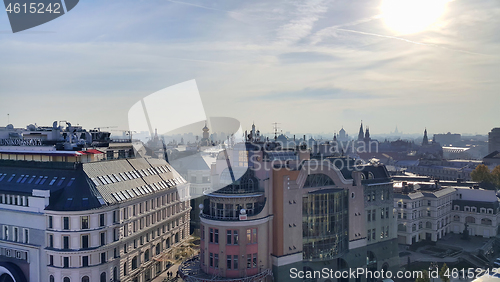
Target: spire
425 141
367 134
361 134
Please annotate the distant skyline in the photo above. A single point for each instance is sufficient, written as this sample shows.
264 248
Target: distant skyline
311 65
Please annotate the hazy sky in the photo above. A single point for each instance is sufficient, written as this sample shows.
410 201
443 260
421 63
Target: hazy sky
310 65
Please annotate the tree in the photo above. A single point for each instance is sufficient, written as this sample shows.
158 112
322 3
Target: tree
442 273
482 174
495 176
424 278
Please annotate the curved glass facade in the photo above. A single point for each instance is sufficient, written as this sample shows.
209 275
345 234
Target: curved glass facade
325 224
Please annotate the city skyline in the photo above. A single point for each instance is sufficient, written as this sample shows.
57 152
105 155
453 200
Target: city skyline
267 62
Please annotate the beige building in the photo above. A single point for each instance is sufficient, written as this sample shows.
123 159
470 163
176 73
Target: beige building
429 211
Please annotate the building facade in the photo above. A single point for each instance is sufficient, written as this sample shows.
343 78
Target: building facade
429 211
287 211
108 220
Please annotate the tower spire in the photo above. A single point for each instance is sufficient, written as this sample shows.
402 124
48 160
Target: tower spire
361 134
425 141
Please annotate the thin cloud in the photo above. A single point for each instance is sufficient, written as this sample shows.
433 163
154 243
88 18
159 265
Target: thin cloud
410 41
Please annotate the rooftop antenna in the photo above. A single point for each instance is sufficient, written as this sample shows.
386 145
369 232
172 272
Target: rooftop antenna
8 118
275 126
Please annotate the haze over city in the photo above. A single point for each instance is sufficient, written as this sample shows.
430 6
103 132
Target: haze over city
313 66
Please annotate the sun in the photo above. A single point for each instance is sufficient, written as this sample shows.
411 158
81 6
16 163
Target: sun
411 16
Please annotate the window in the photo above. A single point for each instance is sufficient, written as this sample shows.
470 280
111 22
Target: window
65 242
101 220
216 236
216 260
85 222
85 261
211 259
85 241
373 234
103 277
50 222
85 279
229 237
235 237
235 262
66 279
373 215
211 235
65 262
103 257
51 260
51 278
369 215
16 234
249 261
103 238
229 262
369 234
51 241
249 236
146 255
66 223
134 263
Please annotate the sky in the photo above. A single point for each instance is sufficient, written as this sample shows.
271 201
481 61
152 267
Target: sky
310 65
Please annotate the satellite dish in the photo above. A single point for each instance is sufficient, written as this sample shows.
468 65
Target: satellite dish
201 206
243 211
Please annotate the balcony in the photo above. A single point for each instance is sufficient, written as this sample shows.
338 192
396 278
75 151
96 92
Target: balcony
190 270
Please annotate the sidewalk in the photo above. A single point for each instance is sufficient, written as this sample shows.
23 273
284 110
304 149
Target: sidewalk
163 276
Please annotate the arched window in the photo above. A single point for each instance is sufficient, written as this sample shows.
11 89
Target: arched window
158 249
370 175
103 277
85 279
146 255
134 262
486 221
456 218
66 279
470 219
51 278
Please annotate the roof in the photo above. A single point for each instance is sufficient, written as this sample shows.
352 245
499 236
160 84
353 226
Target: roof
493 155
75 186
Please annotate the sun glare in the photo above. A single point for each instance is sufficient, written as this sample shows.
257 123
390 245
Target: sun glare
411 16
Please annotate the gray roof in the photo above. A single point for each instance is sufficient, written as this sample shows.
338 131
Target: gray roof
90 185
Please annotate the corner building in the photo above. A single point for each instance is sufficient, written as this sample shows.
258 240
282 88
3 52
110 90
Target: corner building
98 221
290 211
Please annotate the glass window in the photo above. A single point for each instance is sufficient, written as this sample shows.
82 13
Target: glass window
235 262
235 237
101 219
229 237
85 222
66 223
249 261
